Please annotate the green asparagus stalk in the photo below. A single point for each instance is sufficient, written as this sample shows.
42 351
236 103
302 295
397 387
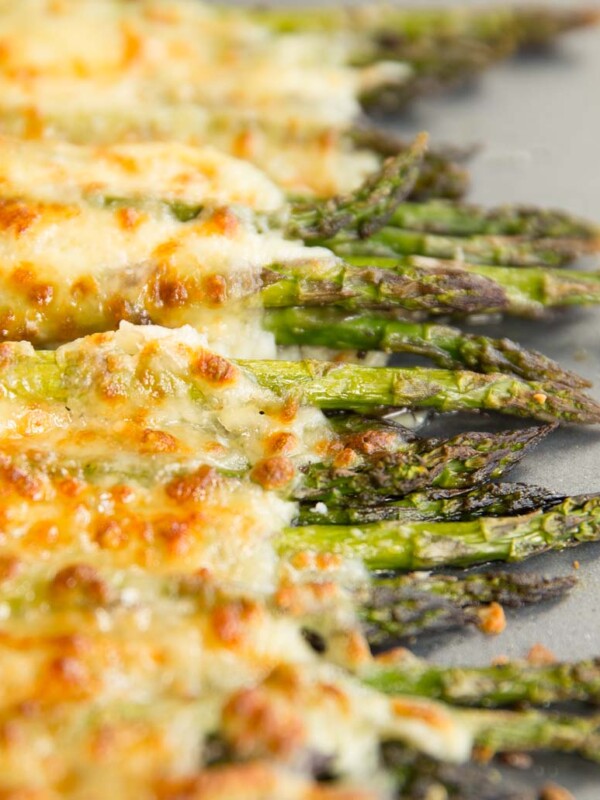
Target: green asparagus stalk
434 505
466 220
358 214
441 174
446 51
513 684
508 235
428 545
406 606
348 386
39 377
394 32
447 347
366 209
498 250
372 220
417 283
460 462
534 731
419 777
512 589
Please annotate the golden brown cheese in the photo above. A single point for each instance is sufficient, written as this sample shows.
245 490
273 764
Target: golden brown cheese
138 655
67 173
125 456
68 270
302 158
112 71
289 718
199 55
155 407
227 529
142 604
259 780
128 751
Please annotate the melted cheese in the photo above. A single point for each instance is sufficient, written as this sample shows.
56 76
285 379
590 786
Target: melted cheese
302 158
231 669
68 270
188 72
66 173
122 458
146 753
93 490
157 392
197 58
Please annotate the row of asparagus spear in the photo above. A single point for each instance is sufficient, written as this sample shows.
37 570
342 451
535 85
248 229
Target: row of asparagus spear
424 479
444 47
417 532
359 302
496 688
429 48
417 503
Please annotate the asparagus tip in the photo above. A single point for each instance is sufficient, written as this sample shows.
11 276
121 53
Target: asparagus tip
539 27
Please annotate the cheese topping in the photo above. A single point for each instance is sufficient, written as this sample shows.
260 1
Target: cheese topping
160 393
66 173
106 72
301 157
140 590
67 270
198 58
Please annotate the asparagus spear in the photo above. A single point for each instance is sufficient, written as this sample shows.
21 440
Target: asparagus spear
427 545
444 46
374 464
465 219
447 347
371 221
366 209
343 222
460 462
411 283
406 606
508 588
409 170
512 684
495 499
504 27
361 217
350 386
441 174
39 376
446 51
497 250
531 731
445 287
